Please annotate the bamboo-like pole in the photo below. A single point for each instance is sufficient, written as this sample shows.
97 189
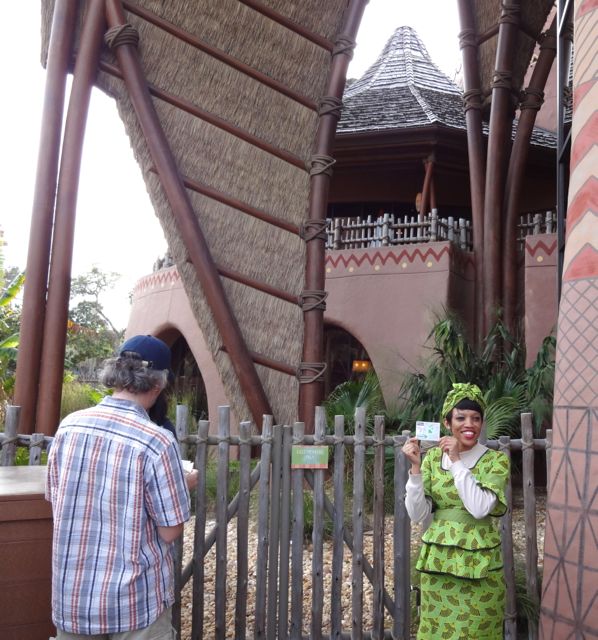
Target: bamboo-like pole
311 393
59 283
499 137
475 152
42 217
534 97
187 223
425 203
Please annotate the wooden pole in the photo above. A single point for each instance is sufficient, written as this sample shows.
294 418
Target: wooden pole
425 203
59 284
42 217
499 138
534 97
311 392
475 150
188 225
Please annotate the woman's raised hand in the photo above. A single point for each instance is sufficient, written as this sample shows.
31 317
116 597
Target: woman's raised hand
413 454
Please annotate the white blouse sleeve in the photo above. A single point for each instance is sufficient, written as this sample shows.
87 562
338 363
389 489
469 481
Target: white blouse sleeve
477 500
418 506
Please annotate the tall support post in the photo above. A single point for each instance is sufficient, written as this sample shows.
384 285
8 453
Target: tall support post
499 137
530 105
563 146
427 187
124 39
311 369
472 98
59 284
40 235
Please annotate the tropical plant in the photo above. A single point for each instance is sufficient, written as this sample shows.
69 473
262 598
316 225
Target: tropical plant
509 388
9 333
351 395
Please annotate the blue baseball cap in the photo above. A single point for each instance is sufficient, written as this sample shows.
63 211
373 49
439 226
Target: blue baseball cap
152 350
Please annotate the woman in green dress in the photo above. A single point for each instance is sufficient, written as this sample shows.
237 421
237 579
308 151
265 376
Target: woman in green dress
457 492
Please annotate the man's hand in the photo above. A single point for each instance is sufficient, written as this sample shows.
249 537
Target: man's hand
191 479
450 446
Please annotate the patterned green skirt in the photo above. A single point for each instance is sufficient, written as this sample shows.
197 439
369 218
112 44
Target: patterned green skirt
461 609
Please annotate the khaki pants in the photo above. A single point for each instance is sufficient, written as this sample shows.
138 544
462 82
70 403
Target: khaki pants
160 629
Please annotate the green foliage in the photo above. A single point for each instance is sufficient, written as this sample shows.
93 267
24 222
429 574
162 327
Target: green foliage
498 369
233 480
308 518
90 333
10 314
78 395
352 395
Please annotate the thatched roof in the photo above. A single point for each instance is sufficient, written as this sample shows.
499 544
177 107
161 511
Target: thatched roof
270 177
403 89
532 17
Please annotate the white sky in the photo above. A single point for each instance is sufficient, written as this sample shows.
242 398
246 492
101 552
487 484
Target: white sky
116 228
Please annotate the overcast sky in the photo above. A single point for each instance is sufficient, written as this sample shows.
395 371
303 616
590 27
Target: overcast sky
116 228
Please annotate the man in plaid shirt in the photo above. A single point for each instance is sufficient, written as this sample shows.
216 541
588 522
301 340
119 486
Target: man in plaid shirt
119 499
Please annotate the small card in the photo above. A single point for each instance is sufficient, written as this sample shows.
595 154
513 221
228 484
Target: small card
187 465
427 431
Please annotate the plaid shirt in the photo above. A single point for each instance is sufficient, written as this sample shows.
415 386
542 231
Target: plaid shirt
113 478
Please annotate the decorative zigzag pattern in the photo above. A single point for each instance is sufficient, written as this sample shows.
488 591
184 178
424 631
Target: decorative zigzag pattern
379 257
570 583
540 246
157 279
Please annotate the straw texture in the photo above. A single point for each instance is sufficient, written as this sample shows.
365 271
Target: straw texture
273 180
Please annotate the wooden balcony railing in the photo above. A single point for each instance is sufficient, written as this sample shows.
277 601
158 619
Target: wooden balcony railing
388 230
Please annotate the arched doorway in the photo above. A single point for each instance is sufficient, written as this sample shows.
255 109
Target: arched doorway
346 357
188 387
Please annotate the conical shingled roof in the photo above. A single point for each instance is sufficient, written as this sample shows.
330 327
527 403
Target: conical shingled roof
403 88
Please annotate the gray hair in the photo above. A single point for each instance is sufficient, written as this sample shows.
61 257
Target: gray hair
129 372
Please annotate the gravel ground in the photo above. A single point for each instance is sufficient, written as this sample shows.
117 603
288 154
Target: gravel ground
518 539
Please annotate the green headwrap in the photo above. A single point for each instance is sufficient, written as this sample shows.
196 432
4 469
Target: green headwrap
460 391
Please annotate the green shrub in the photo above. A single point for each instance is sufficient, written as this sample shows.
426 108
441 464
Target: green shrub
78 395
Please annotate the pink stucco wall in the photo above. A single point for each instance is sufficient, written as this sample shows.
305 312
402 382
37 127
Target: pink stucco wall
389 298
386 297
161 307
540 286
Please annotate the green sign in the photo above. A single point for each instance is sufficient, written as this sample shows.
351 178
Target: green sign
309 457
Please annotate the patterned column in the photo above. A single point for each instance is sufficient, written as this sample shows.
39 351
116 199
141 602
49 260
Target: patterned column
570 582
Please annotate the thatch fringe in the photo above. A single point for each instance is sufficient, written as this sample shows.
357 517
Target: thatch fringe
221 160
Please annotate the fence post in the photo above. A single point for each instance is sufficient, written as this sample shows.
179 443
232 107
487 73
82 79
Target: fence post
203 428
506 535
378 535
295 630
385 230
285 534
336 242
462 234
243 529
272 606
11 425
401 542
317 556
549 221
263 529
338 529
35 448
182 428
434 225
358 505
529 506
451 229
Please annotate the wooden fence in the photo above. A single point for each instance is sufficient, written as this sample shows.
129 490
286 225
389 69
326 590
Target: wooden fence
295 592
388 230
